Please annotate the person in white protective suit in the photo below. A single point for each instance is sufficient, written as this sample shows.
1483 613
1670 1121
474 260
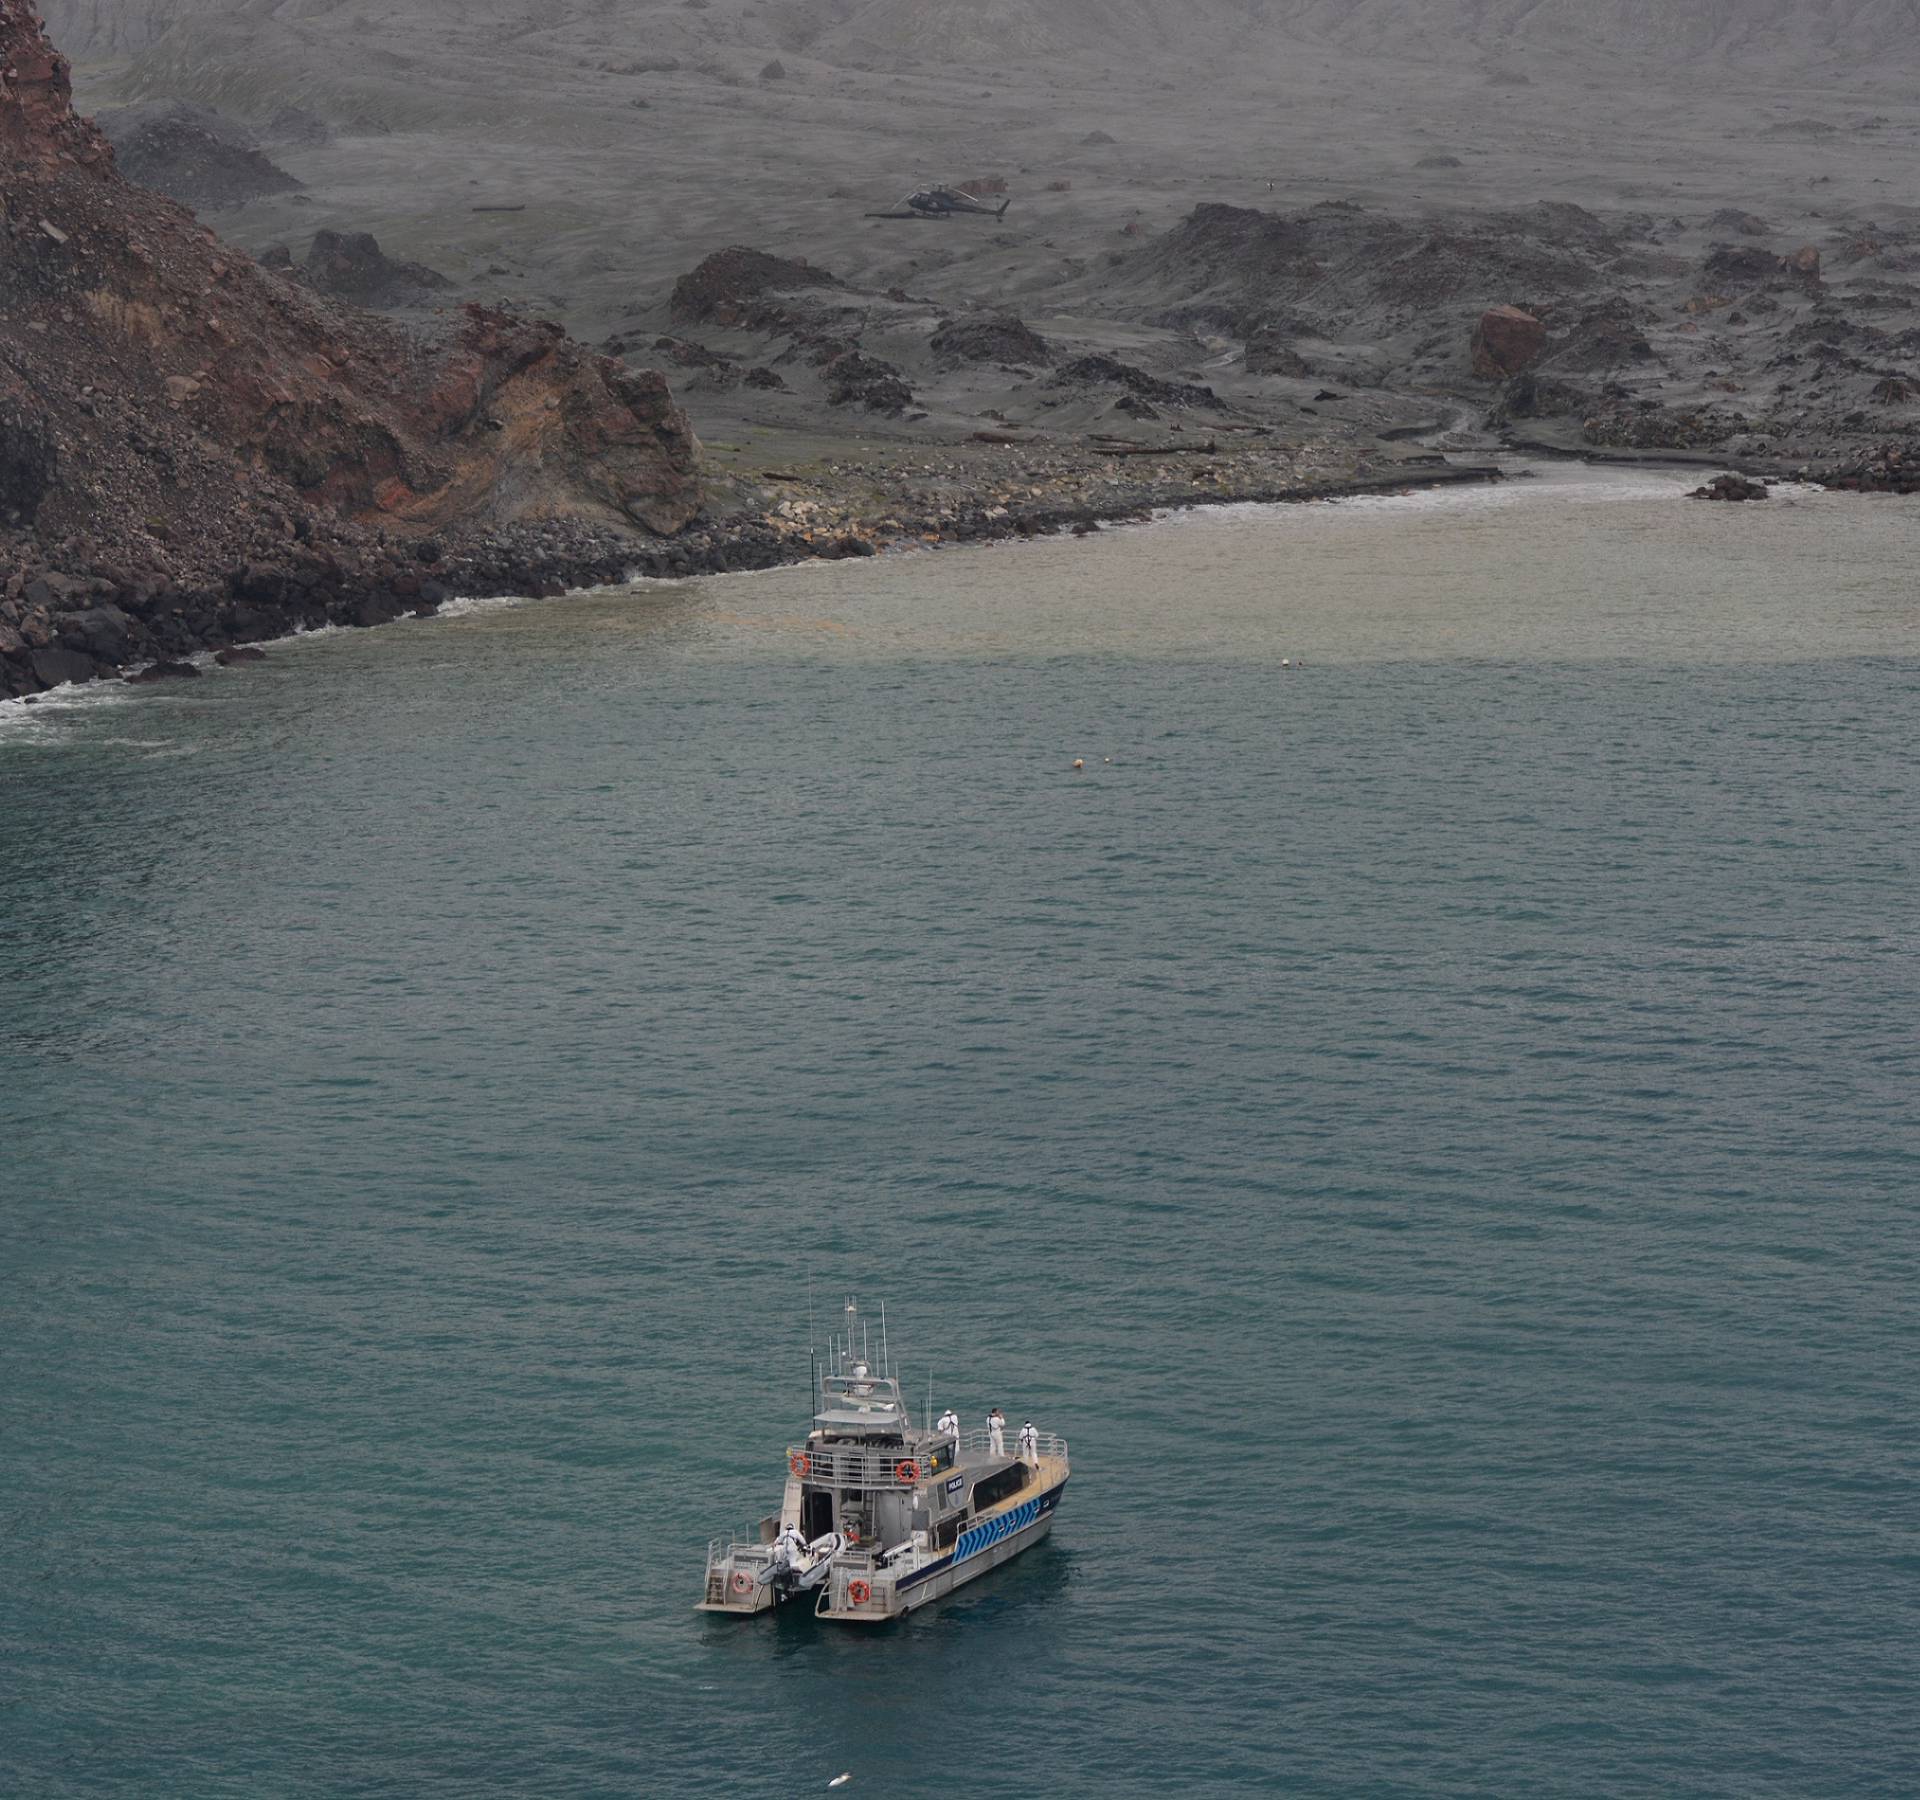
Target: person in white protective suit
997 1432
949 1421
1029 1444
791 1542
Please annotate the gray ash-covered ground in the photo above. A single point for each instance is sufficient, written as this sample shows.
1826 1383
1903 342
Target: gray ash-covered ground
1622 332
1309 246
1584 159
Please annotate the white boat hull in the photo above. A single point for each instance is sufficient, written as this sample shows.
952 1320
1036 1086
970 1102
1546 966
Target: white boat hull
997 1541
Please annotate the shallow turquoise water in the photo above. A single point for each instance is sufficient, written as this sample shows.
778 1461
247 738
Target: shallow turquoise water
1435 1128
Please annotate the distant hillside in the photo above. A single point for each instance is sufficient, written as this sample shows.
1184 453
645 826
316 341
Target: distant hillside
1831 33
1827 36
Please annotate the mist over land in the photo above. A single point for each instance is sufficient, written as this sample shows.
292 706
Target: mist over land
1248 250
640 137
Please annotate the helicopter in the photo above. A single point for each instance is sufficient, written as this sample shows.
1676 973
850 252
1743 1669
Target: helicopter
943 203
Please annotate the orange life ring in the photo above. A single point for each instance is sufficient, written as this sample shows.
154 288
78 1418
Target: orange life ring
800 1464
906 1473
742 1582
859 1592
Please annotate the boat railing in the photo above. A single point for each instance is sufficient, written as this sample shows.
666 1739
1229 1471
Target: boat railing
845 1466
1051 1444
850 1466
745 1547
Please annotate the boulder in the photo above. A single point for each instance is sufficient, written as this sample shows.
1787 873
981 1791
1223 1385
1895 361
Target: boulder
238 653
728 286
690 355
1505 341
1739 265
1269 353
1803 263
350 265
1101 371
192 155
1002 339
164 671
101 632
54 666
1729 487
854 378
1892 469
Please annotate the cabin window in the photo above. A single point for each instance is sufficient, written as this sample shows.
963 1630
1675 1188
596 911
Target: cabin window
996 1488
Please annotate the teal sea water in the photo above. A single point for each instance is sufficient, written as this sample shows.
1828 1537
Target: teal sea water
1434 1127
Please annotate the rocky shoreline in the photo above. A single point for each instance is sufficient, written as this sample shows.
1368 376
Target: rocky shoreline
89 621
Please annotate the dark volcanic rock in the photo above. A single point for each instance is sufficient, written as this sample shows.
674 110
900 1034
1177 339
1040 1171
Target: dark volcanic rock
730 286
350 265
1270 353
1530 395
854 378
1438 162
1602 337
1098 371
192 155
195 450
1729 487
165 671
690 355
235 654
1735 265
1505 341
996 340
1891 469
769 379
1336 263
1624 426
28 461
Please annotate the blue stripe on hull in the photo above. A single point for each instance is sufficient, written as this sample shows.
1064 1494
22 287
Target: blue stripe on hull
985 1535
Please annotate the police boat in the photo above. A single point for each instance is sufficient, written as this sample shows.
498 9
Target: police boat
879 1517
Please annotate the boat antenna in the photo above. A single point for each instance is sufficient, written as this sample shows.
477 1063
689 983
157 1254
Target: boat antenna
886 1367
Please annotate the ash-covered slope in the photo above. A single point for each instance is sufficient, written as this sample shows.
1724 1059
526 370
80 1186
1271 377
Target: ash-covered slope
169 411
1782 35
1796 33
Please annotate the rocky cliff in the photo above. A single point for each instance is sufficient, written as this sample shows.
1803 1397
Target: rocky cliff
172 414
